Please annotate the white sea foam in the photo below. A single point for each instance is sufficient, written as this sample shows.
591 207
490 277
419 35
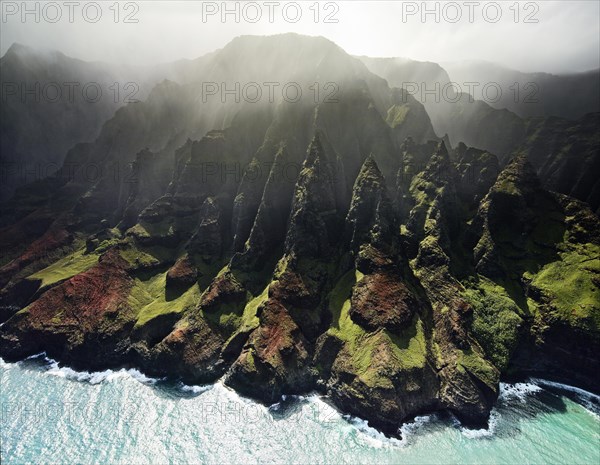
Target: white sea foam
40 355
587 399
313 398
5 365
508 393
409 430
297 397
518 391
97 377
372 436
130 424
565 387
94 377
194 388
275 407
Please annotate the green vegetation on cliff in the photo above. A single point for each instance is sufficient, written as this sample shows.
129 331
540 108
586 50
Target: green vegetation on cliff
570 286
249 319
373 356
152 298
478 366
65 268
496 320
397 114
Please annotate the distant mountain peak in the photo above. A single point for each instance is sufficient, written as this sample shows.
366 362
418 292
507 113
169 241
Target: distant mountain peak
18 49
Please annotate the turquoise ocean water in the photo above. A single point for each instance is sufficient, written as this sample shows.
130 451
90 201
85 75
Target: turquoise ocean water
56 415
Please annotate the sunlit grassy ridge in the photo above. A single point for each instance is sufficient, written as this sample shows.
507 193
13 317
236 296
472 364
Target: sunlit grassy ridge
150 296
569 285
65 268
397 114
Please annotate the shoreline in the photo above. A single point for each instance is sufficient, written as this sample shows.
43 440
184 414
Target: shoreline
519 387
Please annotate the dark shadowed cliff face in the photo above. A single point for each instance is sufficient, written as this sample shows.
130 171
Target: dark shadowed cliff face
568 96
296 246
50 102
566 155
557 129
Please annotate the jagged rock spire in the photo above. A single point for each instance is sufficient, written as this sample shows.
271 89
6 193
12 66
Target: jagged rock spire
314 216
370 216
518 176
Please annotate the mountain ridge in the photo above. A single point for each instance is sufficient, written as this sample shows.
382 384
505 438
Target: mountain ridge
295 246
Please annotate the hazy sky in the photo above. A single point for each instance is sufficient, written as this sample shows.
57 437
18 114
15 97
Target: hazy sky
566 36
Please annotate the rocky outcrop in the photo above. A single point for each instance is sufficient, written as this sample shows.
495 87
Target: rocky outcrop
81 321
182 274
370 218
468 382
268 230
314 218
539 247
508 216
277 356
381 300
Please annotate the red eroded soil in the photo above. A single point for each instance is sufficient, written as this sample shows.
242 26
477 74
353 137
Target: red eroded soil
277 333
84 299
382 300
